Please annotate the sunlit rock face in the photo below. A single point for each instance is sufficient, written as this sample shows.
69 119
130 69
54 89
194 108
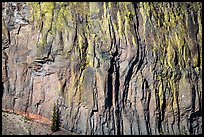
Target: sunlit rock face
115 68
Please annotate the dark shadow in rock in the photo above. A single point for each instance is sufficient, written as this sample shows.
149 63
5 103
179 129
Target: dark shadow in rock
193 116
2 87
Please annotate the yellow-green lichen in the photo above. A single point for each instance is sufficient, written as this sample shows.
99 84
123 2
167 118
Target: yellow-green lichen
90 51
78 96
94 9
80 43
126 29
144 18
170 55
160 94
119 24
35 14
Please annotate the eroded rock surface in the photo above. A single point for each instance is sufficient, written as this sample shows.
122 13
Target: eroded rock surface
111 68
13 124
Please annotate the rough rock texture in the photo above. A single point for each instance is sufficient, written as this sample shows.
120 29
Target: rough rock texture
111 68
13 124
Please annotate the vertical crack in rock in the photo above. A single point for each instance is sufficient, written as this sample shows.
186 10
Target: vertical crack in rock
158 112
117 104
146 96
108 102
130 73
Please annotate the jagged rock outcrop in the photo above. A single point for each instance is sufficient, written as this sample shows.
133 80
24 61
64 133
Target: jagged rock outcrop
111 68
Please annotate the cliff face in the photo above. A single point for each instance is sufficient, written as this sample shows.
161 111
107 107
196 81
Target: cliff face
111 68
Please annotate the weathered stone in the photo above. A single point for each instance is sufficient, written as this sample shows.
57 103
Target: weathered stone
112 68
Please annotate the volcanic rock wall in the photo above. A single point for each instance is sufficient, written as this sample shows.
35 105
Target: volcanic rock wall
111 68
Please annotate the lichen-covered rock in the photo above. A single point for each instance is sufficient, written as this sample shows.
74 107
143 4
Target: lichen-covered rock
111 68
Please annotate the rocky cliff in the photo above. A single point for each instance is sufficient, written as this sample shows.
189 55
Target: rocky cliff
111 68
